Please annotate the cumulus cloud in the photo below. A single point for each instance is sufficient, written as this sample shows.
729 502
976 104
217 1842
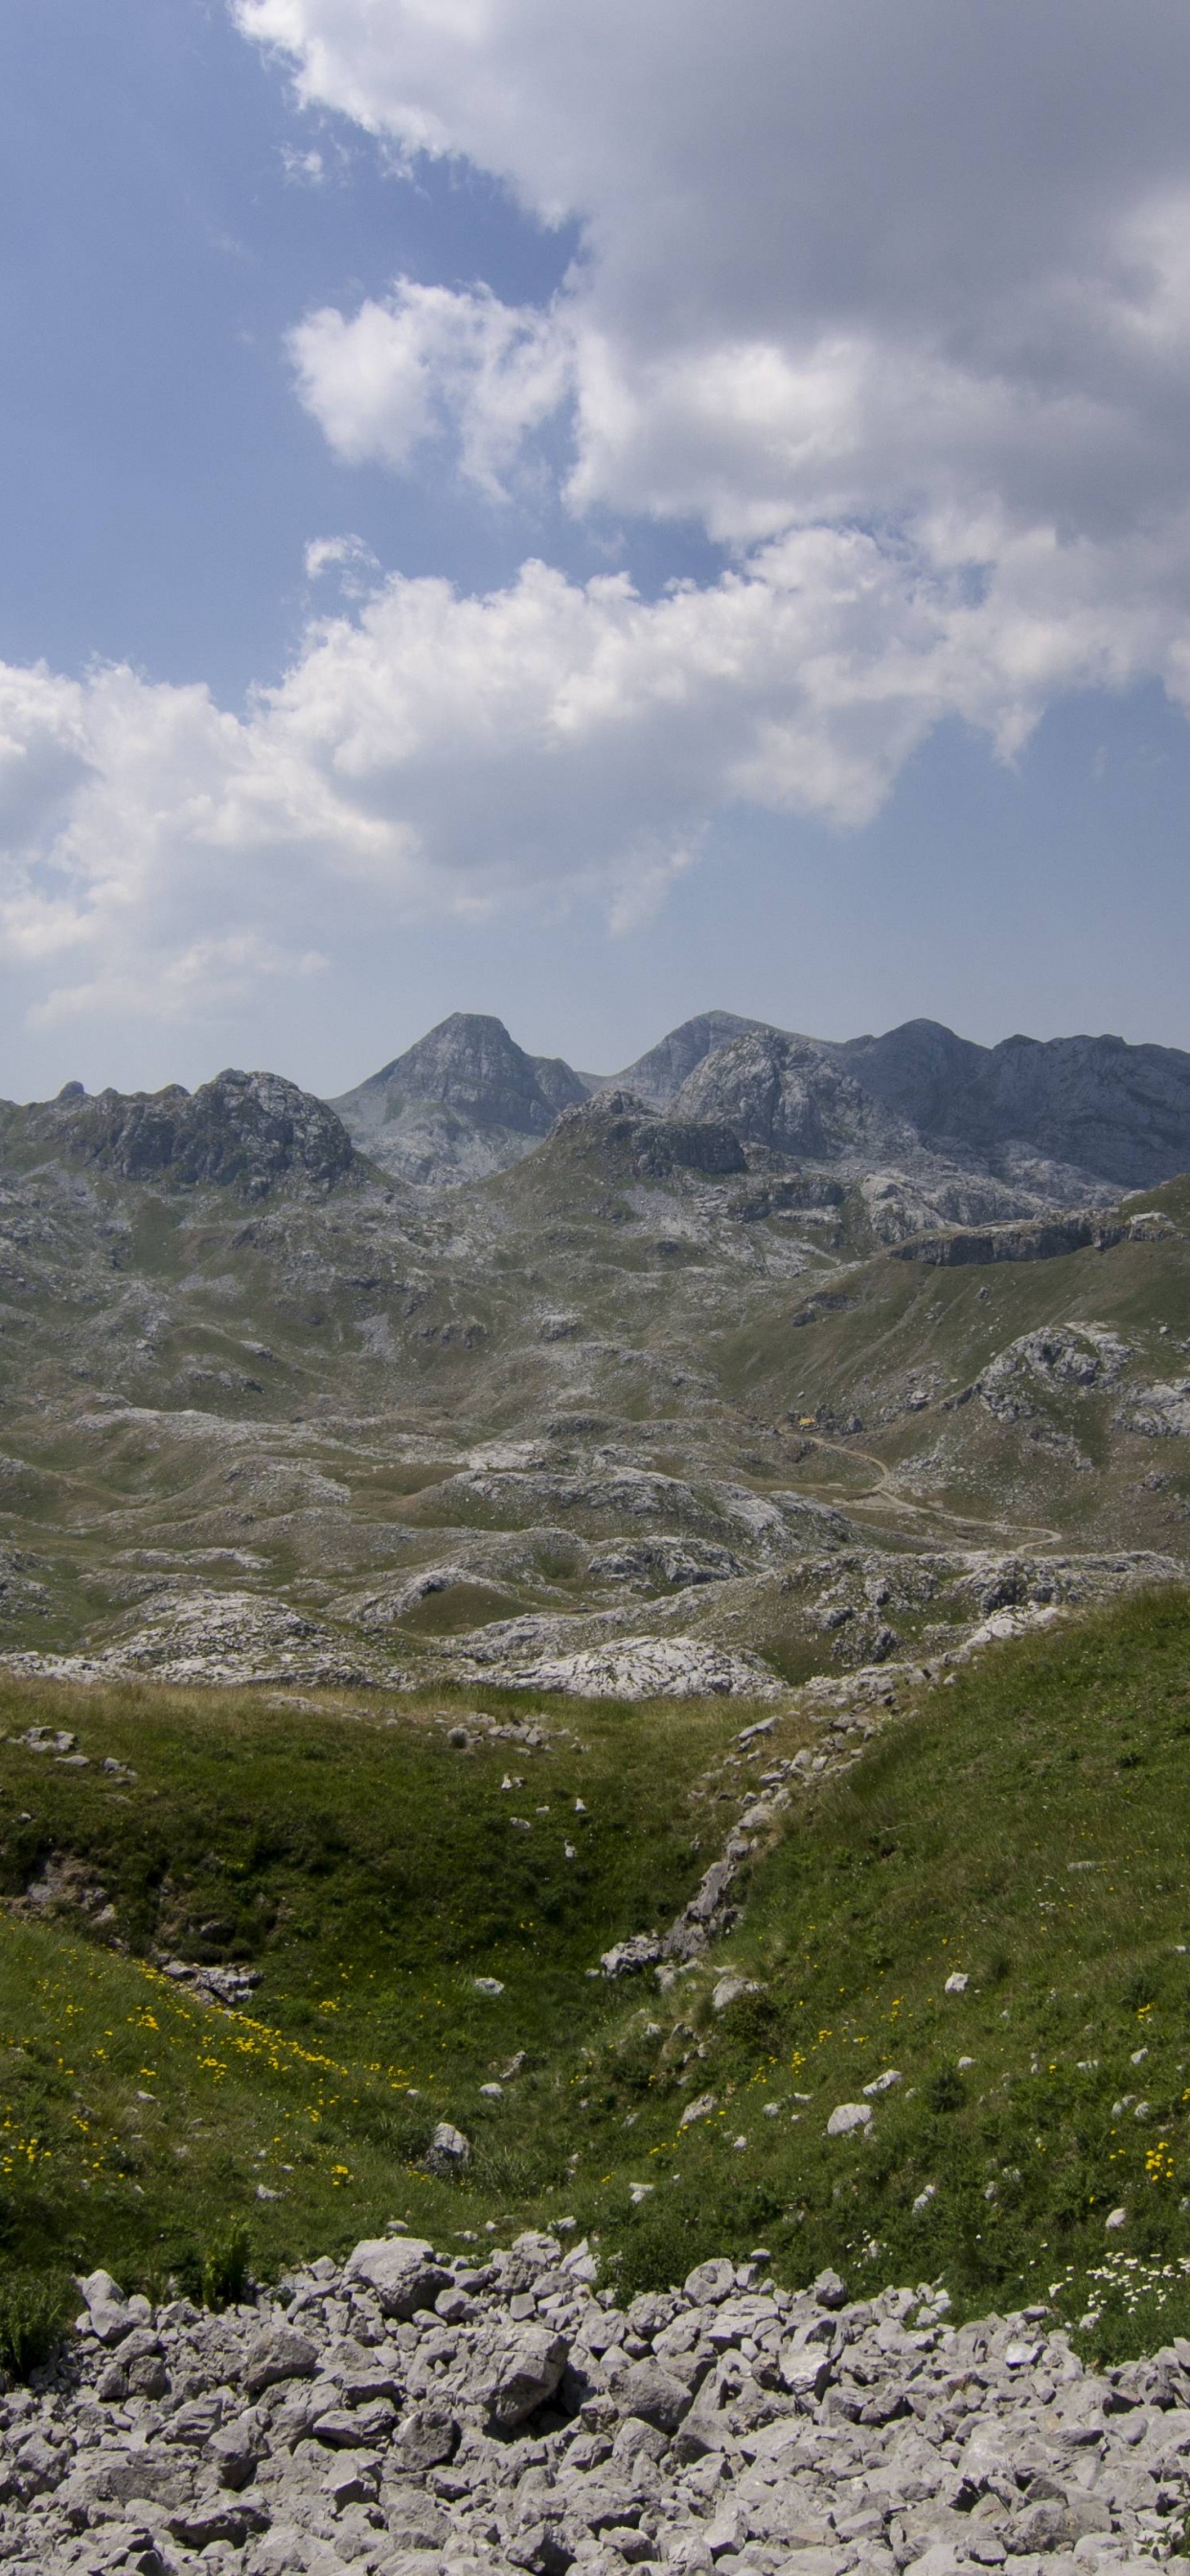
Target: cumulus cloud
892 297
431 752
839 257
430 361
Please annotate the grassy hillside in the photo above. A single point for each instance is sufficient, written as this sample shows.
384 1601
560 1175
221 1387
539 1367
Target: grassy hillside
873 1381
1027 1829
371 1868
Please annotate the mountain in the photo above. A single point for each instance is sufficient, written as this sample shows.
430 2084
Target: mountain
785 1093
333 1509
461 1103
1059 1119
243 1131
1120 1112
617 1137
658 1076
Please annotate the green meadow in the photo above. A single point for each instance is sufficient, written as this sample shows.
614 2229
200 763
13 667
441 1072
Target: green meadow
1025 1828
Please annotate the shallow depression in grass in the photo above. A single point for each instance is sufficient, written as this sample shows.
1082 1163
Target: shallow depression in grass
990 1906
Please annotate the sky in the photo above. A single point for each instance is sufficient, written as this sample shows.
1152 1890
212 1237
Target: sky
592 515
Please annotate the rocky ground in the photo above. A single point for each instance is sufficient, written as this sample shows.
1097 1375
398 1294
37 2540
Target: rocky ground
409 2413
265 1415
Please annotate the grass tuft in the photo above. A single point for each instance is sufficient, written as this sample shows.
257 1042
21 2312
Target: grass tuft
35 2310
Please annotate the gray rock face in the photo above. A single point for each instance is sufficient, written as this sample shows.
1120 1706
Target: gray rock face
243 1131
1050 1239
1122 1112
646 2390
464 1101
787 1094
213 1637
511 2374
619 1131
659 1075
403 2272
279 2353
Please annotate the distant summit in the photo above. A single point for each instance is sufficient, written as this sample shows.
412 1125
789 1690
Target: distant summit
243 1131
1117 1111
1058 1117
462 1102
658 1076
786 1093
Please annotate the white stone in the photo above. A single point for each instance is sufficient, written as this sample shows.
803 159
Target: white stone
848 2116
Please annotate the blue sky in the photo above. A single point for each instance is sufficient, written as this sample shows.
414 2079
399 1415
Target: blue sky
749 511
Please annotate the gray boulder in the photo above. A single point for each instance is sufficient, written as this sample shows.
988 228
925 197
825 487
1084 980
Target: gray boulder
428 2436
710 2282
511 2374
646 2390
448 2150
404 2272
280 2353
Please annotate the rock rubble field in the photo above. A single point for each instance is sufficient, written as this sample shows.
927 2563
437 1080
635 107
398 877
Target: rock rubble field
408 2413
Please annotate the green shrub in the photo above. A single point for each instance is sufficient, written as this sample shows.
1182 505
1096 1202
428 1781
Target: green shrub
35 2310
945 2090
225 2272
515 2172
662 2244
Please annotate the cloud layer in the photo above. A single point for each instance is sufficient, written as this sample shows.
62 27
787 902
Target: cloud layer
841 259
892 300
432 752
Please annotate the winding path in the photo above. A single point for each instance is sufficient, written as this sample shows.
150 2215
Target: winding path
888 1499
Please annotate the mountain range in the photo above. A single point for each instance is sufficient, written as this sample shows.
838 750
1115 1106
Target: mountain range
928 1127
506 1364
476 1420
1061 1118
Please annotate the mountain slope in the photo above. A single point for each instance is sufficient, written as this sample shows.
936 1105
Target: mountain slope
243 1131
464 1101
785 1093
658 1076
959 1915
1120 1112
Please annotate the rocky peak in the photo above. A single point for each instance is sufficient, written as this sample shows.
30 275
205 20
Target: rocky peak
658 1076
470 1064
464 1101
622 1133
786 1093
245 1131
1119 1112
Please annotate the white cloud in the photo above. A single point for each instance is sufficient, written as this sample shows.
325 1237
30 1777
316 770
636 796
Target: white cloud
893 297
839 255
919 269
435 753
428 360
349 560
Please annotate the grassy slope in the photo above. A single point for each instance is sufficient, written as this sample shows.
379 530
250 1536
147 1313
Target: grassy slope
907 1324
1029 1830
374 1873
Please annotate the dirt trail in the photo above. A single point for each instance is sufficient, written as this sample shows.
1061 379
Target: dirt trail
887 1499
